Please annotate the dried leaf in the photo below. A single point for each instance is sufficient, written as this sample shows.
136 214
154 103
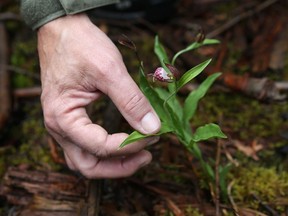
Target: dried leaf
250 151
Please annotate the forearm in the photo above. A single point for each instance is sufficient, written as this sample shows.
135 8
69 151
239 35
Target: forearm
39 12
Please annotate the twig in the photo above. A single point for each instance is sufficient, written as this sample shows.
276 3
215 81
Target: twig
234 206
10 16
217 189
93 199
5 98
27 92
239 18
265 206
282 85
247 211
22 71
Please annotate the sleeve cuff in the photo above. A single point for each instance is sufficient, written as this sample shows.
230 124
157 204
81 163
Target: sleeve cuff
39 12
73 7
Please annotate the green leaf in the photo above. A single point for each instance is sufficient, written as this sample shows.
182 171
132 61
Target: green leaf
193 46
223 173
208 131
187 77
160 52
192 73
173 103
135 136
209 171
191 102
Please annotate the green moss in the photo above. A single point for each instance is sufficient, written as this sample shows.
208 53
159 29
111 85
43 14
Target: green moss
190 211
31 146
24 56
34 150
266 183
246 118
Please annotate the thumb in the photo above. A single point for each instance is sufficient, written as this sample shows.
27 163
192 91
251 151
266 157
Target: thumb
133 105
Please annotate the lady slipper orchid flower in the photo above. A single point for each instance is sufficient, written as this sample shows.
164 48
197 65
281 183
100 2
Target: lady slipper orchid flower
161 74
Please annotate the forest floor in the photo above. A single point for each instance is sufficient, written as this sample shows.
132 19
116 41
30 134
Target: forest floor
248 102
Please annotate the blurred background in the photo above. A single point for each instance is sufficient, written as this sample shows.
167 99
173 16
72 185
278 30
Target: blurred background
249 102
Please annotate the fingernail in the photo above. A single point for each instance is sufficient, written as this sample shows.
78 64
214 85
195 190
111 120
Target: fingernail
150 123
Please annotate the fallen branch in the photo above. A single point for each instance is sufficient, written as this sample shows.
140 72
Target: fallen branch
39 191
232 22
5 97
282 86
27 92
262 89
265 206
10 16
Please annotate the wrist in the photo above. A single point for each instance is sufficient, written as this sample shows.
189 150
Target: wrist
71 21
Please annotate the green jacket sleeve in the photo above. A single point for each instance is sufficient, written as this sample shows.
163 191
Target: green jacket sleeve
39 12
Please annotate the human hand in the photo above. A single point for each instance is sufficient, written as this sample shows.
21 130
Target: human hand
79 63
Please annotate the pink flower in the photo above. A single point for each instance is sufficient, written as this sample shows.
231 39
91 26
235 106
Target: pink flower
161 74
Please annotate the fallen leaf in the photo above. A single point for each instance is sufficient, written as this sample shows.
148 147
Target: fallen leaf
250 151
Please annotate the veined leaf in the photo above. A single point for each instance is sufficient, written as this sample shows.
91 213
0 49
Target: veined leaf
192 73
208 131
193 46
187 77
135 136
193 98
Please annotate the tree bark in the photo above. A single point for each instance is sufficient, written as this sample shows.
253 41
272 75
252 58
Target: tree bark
5 96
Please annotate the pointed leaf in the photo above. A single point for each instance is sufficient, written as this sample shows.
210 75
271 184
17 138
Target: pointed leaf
160 52
135 136
193 98
208 131
193 46
191 74
209 171
223 173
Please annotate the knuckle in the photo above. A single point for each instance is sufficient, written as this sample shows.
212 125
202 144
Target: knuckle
134 103
100 147
49 120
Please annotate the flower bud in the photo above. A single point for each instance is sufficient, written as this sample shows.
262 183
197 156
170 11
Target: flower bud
176 73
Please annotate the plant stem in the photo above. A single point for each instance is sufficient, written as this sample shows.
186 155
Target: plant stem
217 189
